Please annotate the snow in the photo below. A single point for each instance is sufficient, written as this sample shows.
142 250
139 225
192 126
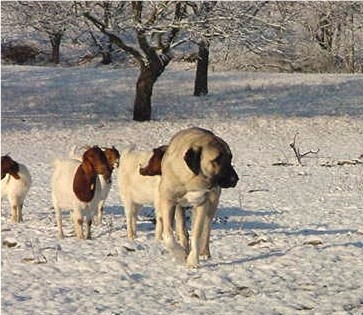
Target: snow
286 240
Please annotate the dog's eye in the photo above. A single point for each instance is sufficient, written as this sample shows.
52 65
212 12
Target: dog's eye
218 159
221 159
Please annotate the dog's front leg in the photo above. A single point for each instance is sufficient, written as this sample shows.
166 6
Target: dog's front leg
181 228
167 208
211 208
197 230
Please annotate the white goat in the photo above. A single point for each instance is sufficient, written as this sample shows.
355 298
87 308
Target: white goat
76 186
113 157
135 189
138 180
15 184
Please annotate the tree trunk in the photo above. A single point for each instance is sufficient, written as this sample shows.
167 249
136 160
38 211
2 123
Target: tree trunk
55 40
106 44
201 77
106 58
324 33
145 84
144 90
106 54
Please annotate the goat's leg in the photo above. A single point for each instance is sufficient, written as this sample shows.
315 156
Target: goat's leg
131 210
159 228
58 216
88 225
20 213
14 214
78 223
159 221
100 214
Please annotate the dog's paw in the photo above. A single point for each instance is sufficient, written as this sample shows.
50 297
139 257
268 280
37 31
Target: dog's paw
205 257
178 254
176 250
192 261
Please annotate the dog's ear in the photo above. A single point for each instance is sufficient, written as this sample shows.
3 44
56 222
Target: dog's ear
192 158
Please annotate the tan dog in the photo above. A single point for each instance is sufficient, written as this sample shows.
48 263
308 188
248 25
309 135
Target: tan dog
194 167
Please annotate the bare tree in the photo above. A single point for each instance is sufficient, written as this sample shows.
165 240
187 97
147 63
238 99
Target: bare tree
148 32
216 21
227 22
50 18
201 76
336 29
200 28
102 42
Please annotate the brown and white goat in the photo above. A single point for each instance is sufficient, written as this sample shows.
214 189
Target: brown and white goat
113 158
76 186
138 179
137 184
15 184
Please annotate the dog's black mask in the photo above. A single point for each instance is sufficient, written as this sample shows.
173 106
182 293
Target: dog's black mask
225 179
228 179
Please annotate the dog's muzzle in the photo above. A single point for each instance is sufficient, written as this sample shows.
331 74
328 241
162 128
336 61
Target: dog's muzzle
228 179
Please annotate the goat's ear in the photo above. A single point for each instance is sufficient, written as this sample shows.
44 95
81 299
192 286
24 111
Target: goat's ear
192 158
87 166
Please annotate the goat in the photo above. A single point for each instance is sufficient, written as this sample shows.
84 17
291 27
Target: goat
139 175
15 184
76 186
113 157
136 189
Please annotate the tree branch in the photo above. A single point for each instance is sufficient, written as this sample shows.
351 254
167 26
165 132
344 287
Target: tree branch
115 39
178 14
298 155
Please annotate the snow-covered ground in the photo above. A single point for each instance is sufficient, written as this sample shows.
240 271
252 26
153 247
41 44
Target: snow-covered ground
286 240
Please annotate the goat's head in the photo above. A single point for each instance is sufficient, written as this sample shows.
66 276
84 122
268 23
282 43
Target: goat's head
9 166
154 166
112 156
94 159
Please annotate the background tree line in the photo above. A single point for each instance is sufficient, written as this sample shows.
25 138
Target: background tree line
249 36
